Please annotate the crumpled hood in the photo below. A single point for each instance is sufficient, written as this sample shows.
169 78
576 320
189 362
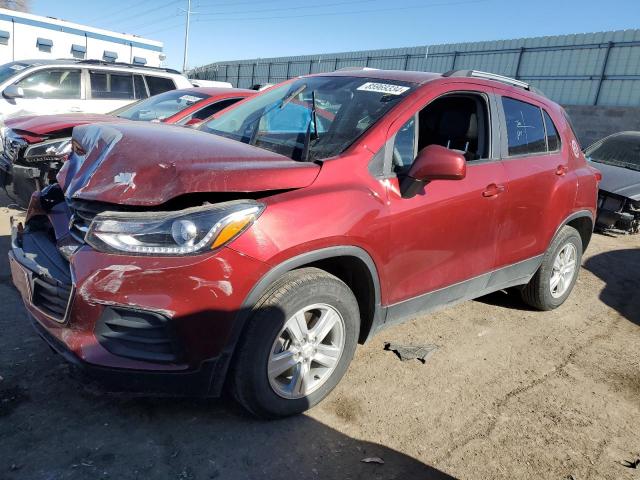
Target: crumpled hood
619 180
147 164
46 124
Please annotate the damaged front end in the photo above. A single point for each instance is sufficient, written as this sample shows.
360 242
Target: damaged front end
617 214
27 167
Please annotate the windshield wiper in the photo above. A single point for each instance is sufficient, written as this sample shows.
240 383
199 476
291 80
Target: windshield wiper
313 120
292 96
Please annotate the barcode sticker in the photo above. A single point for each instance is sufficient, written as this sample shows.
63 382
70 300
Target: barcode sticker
385 88
190 98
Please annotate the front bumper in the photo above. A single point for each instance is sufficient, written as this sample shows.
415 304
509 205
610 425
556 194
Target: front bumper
197 300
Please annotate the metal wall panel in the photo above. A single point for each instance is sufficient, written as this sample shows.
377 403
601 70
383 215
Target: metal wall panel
600 68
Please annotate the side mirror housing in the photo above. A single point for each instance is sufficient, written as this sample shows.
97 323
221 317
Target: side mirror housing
434 162
13 91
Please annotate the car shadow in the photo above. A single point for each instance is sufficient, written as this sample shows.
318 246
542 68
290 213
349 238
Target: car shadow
620 270
507 299
52 426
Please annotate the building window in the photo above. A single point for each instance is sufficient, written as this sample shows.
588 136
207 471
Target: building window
44 44
78 51
110 56
139 61
4 37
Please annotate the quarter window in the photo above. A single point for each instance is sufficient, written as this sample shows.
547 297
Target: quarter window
159 85
404 146
553 139
525 128
52 84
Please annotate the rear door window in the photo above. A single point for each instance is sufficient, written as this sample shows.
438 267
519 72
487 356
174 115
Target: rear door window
525 128
115 86
52 84
159 84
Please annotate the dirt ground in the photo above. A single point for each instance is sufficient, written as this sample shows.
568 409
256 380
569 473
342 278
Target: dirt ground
510 393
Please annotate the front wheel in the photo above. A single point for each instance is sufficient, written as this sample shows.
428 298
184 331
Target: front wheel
298 344
556 277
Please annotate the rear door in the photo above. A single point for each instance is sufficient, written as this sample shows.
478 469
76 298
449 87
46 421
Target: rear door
109 90
540 184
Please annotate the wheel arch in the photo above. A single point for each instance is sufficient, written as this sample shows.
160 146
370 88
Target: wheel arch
351 264
583 222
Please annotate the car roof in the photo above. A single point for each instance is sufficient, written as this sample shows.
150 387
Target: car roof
398 75
217 91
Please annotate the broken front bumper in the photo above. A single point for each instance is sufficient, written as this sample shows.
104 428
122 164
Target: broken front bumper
617 213
151 324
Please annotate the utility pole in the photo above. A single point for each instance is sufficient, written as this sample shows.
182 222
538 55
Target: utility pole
186 36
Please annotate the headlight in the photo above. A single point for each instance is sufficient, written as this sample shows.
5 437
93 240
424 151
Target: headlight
186 232
51 150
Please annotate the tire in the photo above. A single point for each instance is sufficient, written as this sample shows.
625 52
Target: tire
272 334
539 293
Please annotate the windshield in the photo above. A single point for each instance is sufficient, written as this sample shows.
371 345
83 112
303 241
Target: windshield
8 70
311 118
620 150
160 107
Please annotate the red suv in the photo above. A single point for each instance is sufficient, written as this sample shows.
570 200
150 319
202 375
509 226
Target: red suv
319 212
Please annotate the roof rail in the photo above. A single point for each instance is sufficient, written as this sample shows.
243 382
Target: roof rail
123 64
491 76
355 69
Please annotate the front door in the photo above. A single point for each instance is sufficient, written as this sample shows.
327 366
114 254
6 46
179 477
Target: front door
448 233
50 91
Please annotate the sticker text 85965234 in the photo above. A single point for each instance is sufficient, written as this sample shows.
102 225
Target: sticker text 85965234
385 88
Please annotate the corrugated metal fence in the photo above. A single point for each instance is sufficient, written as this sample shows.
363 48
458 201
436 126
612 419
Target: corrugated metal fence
582 69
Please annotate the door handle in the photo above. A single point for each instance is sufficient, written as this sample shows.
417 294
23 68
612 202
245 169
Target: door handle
561 170
492 190
75 109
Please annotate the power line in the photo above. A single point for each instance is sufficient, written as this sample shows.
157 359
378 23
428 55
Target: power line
295 7
110 12
353 12
169 27
137 16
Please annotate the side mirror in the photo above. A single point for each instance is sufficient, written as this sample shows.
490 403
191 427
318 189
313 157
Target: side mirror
433 163
13 91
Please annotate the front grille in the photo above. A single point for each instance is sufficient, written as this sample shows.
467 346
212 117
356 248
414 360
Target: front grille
139 335
51 297
83 213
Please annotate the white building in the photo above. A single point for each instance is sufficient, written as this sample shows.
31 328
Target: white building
26 36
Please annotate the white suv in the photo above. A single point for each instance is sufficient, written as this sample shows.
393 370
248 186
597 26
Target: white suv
93 86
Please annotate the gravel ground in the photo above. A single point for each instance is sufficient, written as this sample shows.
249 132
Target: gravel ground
510 393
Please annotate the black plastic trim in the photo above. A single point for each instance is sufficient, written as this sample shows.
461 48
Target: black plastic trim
517 274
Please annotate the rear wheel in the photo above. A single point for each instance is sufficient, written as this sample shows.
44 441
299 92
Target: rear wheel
298 344
554 280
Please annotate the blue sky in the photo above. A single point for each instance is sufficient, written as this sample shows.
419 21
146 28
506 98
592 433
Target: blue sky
240 29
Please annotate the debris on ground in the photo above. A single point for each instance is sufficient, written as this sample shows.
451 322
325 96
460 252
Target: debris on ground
411 352
632 464
377 460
